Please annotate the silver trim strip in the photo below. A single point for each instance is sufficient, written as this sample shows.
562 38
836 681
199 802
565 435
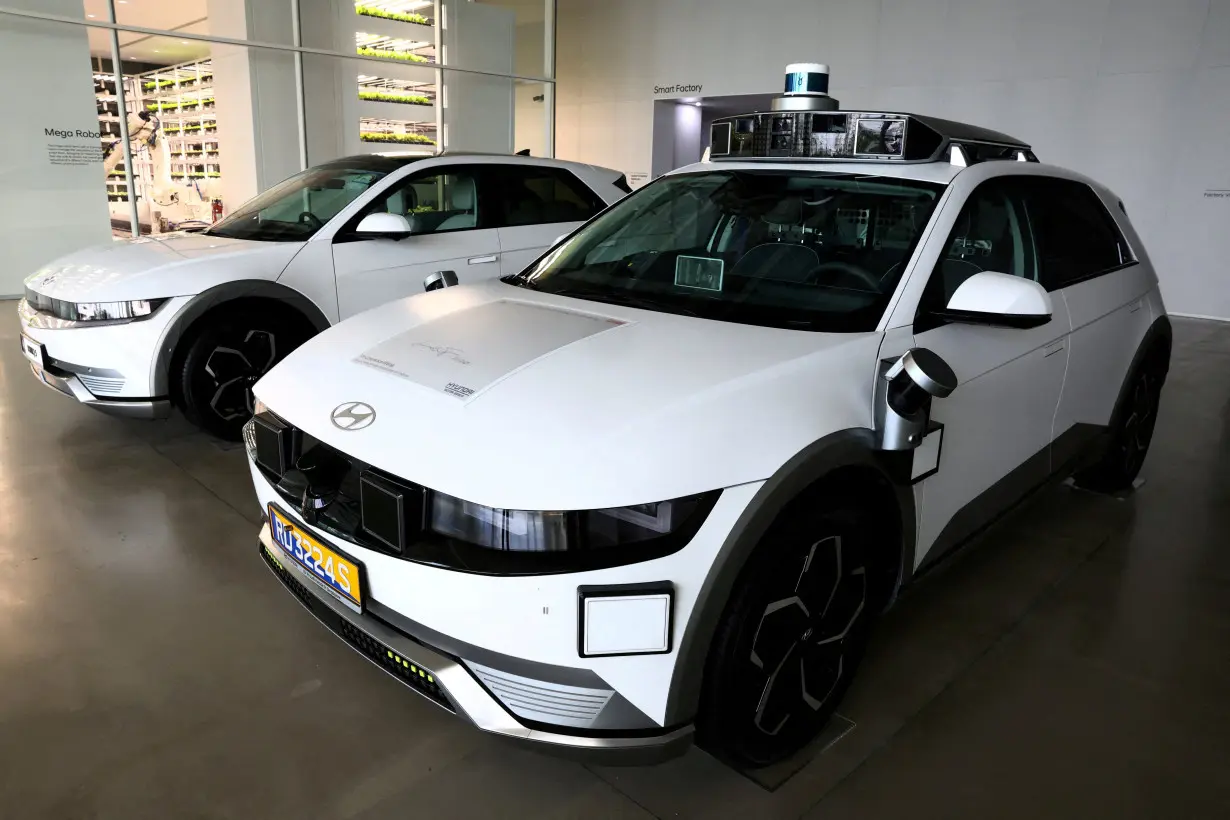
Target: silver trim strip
472 701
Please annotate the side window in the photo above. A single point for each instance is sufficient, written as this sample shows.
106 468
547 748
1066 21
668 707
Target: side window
991 234
434 202
531 195
1077 238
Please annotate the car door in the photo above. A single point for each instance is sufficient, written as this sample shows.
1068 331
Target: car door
449 211
536 205
1086 262
997 425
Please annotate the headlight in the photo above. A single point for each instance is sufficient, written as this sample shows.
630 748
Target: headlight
114 311
551 531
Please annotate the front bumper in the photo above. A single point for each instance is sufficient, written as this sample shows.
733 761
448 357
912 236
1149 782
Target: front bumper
448 683
110 367
70 385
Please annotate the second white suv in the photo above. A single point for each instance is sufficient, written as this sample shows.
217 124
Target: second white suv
194 320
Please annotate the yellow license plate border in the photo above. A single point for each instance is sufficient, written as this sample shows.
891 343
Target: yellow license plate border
341 595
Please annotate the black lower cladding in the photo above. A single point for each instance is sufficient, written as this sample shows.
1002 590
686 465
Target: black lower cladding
352 500
417 678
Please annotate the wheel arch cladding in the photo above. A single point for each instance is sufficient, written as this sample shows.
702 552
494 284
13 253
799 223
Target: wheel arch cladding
1155 345
229 294
847 456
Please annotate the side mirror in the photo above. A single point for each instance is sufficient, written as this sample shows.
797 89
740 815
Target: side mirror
383 226
1000 300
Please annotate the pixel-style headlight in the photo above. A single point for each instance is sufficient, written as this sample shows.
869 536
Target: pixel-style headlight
115 311
555 531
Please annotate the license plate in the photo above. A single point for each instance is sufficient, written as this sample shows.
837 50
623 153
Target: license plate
32 350
338 574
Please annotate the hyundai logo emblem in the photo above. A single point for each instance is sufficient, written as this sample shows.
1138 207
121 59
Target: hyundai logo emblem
353 415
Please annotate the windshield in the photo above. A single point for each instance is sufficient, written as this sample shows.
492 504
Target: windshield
296 208
806 251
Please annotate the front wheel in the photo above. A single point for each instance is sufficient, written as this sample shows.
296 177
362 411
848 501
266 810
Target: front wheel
790 640
223 362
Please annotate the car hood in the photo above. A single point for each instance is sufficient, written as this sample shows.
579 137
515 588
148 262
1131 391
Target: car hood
158 266
523 400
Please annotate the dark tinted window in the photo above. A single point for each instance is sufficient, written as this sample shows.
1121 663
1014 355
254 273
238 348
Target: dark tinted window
806 251
537 196
1076 236
991 234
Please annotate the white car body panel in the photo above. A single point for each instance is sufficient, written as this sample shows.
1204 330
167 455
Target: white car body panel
644 399
160 267
375 271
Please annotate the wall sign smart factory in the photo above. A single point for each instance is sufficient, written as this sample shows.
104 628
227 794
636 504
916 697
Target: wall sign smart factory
666 90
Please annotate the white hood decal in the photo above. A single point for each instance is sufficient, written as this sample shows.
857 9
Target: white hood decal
465 352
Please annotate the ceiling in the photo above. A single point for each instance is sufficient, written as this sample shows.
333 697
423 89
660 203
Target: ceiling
188 16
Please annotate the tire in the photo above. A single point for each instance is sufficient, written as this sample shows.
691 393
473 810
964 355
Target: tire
1131 433
791 638
232 351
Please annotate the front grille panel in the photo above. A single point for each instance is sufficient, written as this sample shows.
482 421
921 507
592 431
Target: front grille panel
101 385
542 701
421 680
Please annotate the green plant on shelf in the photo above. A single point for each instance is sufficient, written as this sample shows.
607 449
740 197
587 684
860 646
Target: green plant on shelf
154 85
372 11
405 56
214 174
380 136
394 97
192 128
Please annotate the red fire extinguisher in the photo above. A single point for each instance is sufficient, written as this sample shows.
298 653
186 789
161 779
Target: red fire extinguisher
217 209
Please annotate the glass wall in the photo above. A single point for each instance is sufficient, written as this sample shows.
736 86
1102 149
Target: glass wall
217 100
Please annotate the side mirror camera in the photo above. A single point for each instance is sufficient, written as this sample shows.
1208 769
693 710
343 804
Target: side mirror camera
904 394
998 299
383 226
440 279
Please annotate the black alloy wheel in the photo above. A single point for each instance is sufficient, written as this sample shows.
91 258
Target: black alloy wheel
1130 437
223 364
790 641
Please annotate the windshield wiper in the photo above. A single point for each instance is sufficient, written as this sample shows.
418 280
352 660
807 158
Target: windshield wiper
626 299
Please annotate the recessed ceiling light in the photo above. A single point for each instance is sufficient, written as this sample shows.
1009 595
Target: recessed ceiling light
185 42
90 16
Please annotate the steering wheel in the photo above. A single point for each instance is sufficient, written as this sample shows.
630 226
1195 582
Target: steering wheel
309 218
862 274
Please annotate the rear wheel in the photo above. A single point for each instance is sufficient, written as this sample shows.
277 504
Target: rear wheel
225 359
790 640
1131 434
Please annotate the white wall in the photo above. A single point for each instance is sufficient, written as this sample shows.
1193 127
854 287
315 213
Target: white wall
1133 92
47 209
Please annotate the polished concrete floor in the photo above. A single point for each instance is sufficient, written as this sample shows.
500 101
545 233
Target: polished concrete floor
1075 663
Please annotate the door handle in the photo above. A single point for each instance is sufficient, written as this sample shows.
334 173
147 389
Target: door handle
1052 349
482 260
1137 305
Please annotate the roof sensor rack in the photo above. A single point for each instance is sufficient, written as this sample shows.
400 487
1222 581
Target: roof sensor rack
805 123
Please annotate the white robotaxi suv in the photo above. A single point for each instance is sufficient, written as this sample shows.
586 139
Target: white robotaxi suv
133 327
656 487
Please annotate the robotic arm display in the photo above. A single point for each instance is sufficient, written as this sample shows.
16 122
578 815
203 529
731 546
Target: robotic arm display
143 132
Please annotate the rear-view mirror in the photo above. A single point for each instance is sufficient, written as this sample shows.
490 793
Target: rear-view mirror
989 298
383 226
